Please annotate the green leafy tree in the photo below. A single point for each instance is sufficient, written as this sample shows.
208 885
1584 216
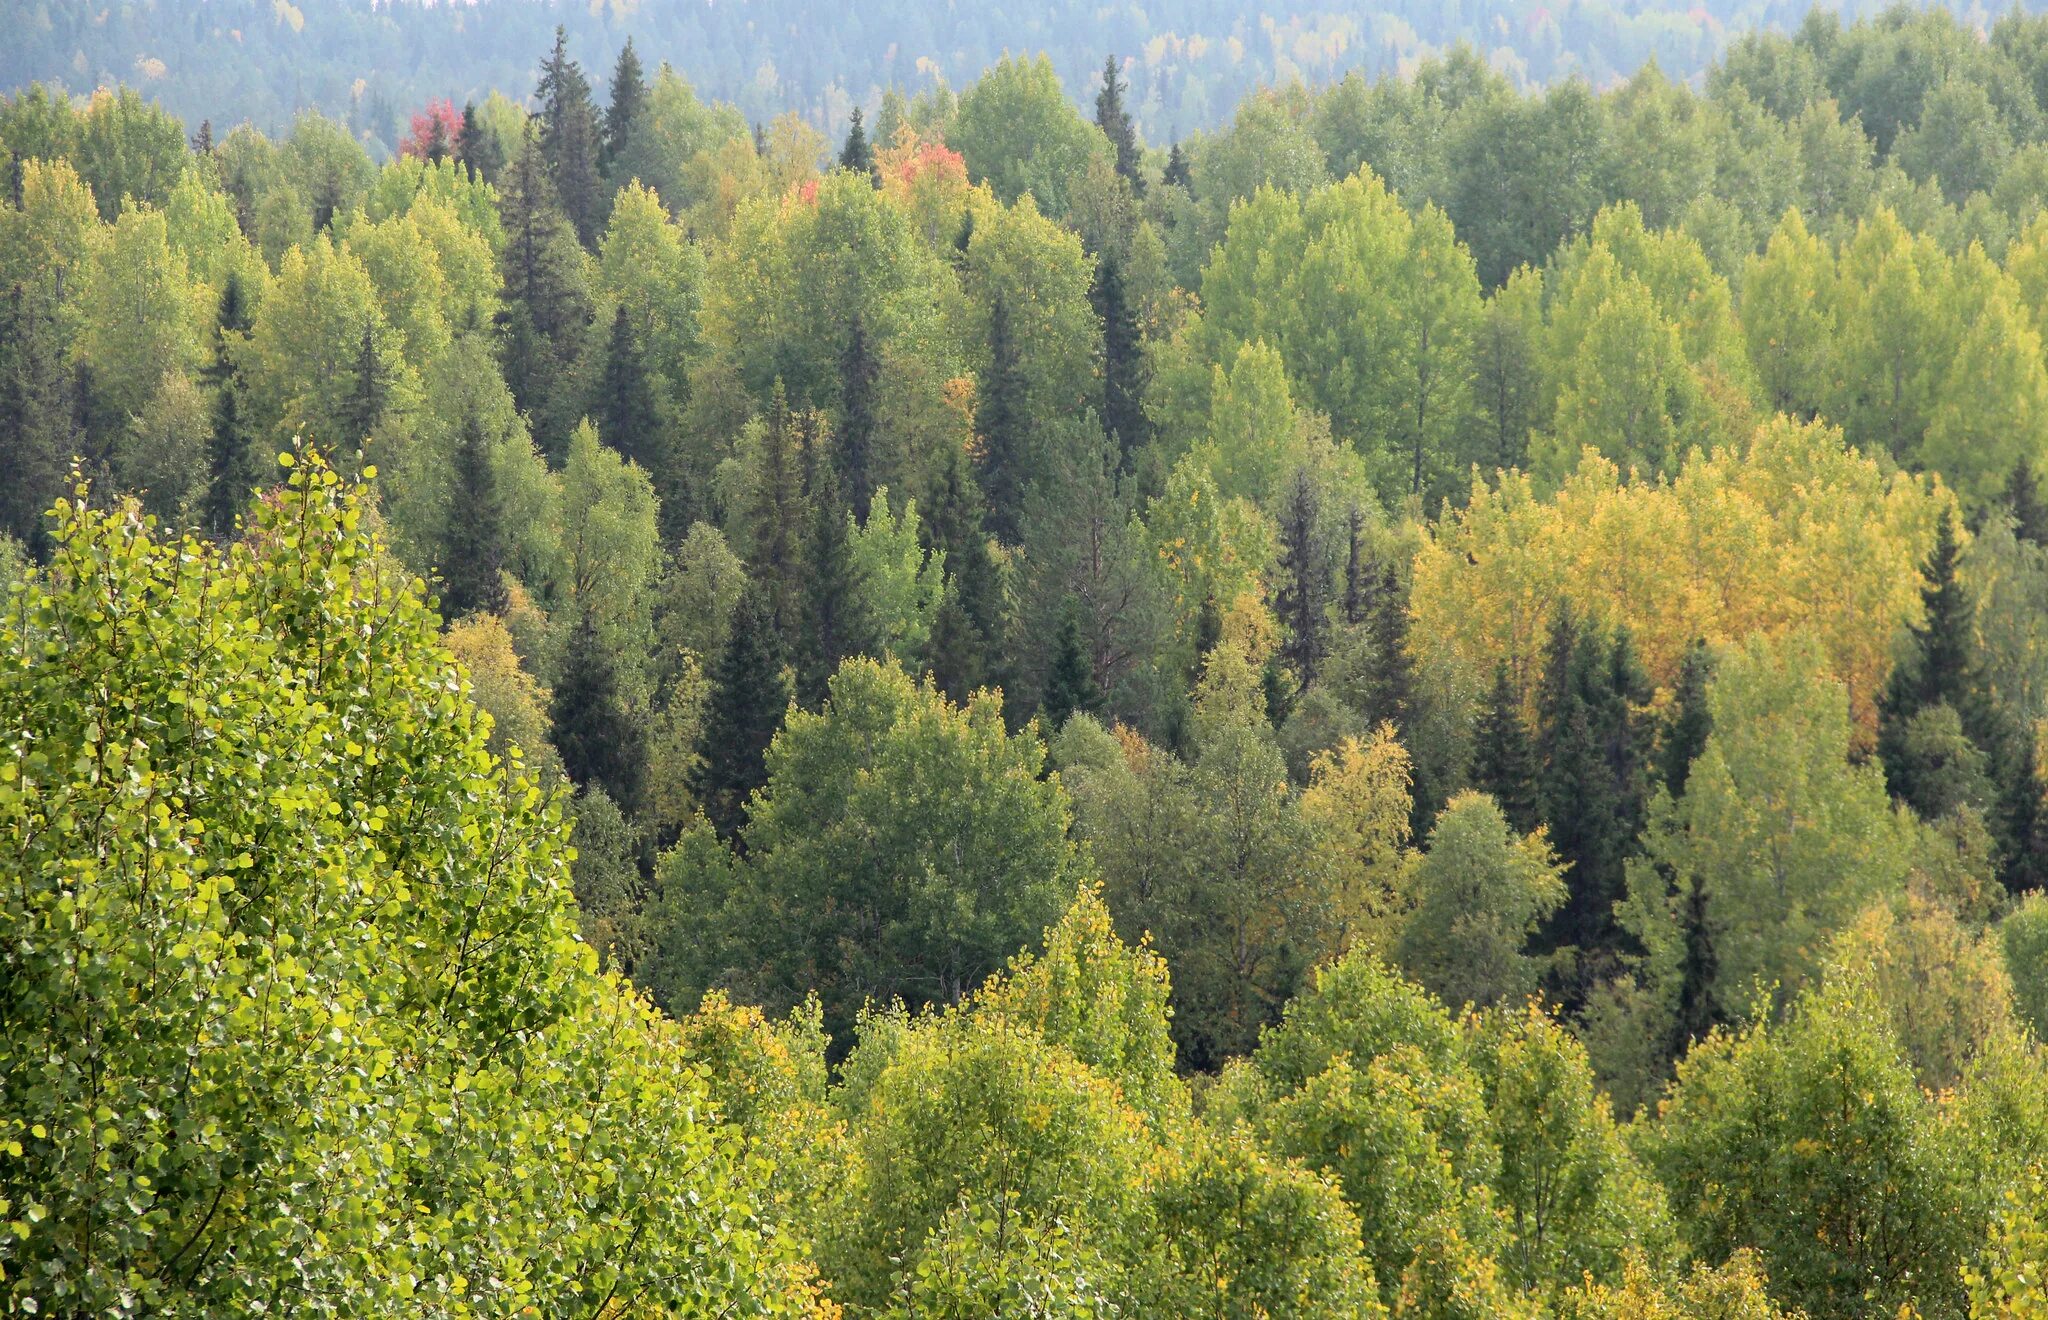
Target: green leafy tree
1480 893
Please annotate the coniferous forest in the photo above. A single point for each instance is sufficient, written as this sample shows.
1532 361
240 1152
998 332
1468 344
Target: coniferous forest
1427 701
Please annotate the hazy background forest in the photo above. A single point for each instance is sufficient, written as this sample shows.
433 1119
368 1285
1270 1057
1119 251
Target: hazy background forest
368 64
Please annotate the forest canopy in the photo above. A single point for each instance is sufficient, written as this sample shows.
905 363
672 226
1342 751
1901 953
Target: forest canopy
1415 696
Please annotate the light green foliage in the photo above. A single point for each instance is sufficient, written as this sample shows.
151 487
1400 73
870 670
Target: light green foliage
1809 1142
2025 935
141 314
128 149
410 181
1479 893
610 549
302 1011
50 234
901 584
1019 133
646 265
306 348
2010 1282
161 451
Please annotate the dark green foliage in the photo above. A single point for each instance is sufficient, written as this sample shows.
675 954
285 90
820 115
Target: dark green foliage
1177 173
1699 969
547 303
745 709
1687 726
970 618
856 155
2023 501
832 617
473 547
778 519
1123 362
2022 822
1936 667
1504 764
624 408
600 742
369 392
1116 125
1357 583
231 463
859 381
477 147
1070 687
1002 418
38 433
570 140
1304 580
629 99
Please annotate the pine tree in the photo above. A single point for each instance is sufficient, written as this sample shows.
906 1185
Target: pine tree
629 99
477 147
1304 580
1002 419
859 379
569 139
1503 757
2023 501
546 303
1686 728
231 459
1123 363
369 391
598 741
473 542
857 155
832 588
743 712
2022 821
1116 125
1177 171
39 433
624 408
1070 684
969 618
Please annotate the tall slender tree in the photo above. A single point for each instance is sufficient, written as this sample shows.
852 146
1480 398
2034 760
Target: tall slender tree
624 409
369 393
570 140
857 154
629 100
39 433
969 618
1503 757
859 383
1002 419
473 540
477 147
1304 579
1684 735
1116 125
1123 362
1177 170
2022 820
778 520
1070 686
231 459
832 615
599 742
2023 501
547 302
1936 666
747 702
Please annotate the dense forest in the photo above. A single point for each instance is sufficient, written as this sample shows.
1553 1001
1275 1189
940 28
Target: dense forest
1188 63
1430 703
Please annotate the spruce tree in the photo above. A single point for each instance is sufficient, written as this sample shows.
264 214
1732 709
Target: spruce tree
832 615
546 304
202 141
369 393
231 459
629 99
473 541
1116 125
1002 419
39 433
1935 667
1123 363
1357 589
1390 674
570 140
1685 731
859 381
598 741
2023 501
1503 757
1304 580
1699 1007
741 715
477 147
2022 821
1177 171
969 618
777 516
857 155
624 408
1070 684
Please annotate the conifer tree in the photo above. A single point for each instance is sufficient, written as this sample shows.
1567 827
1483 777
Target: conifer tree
629 99
832 615
1304 580
1116 125
1390 678
1070 686
38 428
857 155
1002 419
473 543
745 708
1686 728
1177 171
547 304
1936 666
969 618
778 519
477 147
369 394
1123 362
1503 758
231 459
1357 587
2023 501
859 379
2022 821
624 408
1699 968
599 742
570 140
202 141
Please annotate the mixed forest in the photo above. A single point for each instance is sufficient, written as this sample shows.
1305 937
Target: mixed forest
1427 704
